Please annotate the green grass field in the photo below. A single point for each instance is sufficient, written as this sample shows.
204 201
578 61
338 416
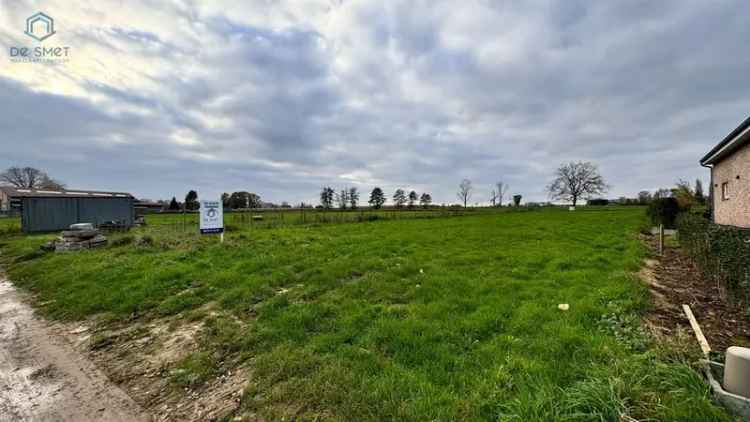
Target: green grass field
273 218
415 319
9 225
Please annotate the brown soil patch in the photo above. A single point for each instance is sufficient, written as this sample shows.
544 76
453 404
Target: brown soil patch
674 280
139 359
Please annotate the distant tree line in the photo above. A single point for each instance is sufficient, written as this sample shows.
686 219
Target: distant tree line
348 198
684 193
235 200
573 182
241 200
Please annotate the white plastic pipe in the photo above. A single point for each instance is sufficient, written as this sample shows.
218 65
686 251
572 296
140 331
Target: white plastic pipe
737 371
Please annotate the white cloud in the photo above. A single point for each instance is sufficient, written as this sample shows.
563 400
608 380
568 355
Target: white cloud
283 97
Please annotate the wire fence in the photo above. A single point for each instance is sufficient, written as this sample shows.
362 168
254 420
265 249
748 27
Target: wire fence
273 218
187 222
174 223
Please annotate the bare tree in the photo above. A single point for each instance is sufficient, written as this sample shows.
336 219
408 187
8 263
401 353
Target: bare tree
493 197
501 189
574 181
464 191
29 178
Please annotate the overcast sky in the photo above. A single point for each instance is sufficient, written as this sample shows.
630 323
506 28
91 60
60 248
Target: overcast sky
283 97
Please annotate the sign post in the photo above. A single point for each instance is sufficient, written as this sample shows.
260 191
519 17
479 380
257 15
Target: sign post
212 218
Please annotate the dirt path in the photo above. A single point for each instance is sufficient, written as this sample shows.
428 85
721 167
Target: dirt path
42 377
675 280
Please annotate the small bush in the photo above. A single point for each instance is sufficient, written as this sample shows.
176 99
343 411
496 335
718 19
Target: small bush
144 240
664 211
721 252
122 241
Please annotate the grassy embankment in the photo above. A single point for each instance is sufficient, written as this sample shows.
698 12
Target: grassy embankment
427 319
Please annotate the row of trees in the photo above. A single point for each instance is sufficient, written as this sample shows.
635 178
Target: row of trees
349 198
497 195
582 180
241 199
235 200
572 182
686 195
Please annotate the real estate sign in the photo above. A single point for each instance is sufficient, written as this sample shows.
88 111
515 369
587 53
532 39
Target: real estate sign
212 217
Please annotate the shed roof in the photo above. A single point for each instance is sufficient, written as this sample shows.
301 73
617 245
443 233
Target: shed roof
14 192
738 137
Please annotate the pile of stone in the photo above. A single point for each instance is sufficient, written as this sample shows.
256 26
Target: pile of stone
76 238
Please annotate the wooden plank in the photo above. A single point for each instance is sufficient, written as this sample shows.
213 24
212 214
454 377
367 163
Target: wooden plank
697 330
661 239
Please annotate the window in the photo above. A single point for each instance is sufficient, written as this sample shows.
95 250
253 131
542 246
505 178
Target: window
725 191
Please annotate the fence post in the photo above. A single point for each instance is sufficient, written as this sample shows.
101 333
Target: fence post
661 239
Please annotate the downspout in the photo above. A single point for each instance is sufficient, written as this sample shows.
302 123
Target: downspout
711 190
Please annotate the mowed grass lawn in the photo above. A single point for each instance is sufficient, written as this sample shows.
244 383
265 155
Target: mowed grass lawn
435 319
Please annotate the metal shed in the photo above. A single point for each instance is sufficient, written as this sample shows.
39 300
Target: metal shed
45 210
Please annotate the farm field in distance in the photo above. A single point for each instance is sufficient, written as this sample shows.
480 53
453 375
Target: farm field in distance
450 318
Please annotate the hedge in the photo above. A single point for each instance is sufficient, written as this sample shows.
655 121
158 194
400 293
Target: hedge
598 201
721 252
664 211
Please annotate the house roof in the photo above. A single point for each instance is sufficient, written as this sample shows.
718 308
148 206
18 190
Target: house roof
738 137
14 192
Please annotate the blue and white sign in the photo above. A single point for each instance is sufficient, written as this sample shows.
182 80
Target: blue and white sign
212 217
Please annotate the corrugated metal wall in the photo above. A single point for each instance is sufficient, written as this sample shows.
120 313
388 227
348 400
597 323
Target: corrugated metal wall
50 214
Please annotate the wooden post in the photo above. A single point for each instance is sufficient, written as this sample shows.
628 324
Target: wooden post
661 239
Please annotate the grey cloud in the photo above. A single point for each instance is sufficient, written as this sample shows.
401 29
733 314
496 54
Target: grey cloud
641 88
